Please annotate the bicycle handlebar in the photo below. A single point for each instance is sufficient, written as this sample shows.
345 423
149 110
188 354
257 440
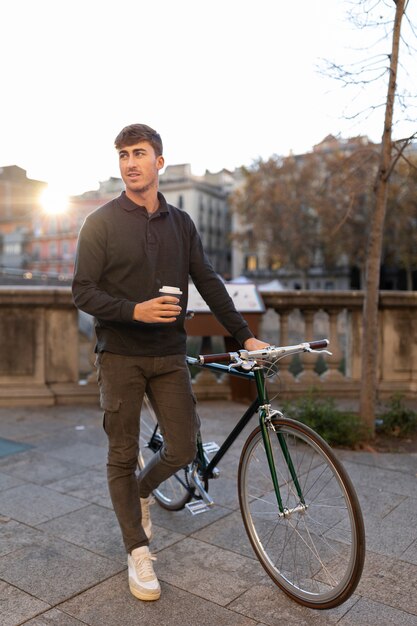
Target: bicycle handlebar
272 352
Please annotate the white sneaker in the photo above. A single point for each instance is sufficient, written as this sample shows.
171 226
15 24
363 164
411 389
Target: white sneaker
143 582
145 503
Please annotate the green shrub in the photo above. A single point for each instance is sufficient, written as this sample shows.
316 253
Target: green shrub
397 420
338 428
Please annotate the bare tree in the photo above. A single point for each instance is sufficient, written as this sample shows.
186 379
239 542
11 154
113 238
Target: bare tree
373 70
368 393
308 210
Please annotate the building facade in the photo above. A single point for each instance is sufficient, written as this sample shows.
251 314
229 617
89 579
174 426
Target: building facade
40 246
19 207
205 198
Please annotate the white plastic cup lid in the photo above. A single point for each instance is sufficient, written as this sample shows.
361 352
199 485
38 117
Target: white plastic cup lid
172 291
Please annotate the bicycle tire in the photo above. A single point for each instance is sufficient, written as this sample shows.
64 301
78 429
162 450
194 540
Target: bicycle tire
315 556
174 493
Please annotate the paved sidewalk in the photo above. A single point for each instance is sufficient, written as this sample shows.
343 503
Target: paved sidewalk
62 562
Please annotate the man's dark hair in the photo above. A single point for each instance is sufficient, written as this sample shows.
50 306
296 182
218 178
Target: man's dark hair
135 133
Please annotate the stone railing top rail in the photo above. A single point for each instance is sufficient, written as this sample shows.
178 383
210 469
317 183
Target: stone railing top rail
287 300
284 300
35 296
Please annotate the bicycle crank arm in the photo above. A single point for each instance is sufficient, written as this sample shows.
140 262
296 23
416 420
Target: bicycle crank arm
196 482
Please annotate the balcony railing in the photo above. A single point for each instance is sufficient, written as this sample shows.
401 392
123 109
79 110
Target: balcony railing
45 359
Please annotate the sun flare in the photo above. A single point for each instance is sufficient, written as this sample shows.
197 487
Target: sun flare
54 201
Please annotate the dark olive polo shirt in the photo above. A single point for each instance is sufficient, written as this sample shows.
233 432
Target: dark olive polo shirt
124 255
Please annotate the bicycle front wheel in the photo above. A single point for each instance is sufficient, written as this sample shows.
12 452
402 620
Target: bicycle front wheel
174 493
314 548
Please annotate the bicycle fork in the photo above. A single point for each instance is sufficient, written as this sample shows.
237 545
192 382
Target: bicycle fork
266 425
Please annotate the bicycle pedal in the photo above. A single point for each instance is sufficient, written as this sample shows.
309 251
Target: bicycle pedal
211 447
197 506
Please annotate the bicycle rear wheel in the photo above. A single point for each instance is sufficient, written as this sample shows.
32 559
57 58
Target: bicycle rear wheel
315 552
174 493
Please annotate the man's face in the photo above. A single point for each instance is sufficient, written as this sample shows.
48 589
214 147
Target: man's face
139 167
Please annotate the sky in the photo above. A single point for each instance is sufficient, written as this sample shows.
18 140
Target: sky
225 82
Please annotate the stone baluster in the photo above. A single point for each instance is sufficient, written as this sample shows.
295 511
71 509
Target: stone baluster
308 375
333 361
285 375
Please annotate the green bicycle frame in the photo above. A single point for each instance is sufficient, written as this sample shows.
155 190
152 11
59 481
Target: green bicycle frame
263 418
260 404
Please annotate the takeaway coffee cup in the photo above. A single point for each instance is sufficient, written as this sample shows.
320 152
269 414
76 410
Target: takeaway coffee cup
170 291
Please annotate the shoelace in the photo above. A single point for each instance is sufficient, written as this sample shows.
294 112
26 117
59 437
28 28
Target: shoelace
144 567
145 510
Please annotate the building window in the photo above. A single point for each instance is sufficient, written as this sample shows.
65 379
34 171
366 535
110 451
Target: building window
181 201
12 249
53 250
251 262
66 249
201 218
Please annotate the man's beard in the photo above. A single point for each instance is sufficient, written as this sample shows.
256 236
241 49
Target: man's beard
145 188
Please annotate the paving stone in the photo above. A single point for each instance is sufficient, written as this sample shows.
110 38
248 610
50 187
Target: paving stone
403 515
183 521
384 537
377 503
9 447
17 606
384 460
266 602
390 581
54 570
375 477
72 435
23 422
211 572
54 617
7 481
92 527
90 485
37 467
80 453
369 613
106 603
14 536
33 504
229 533
410 555
223 490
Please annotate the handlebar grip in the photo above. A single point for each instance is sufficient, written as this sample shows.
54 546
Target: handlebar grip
223 357
319 345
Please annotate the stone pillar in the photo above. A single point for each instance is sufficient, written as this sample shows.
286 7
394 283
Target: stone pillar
39 361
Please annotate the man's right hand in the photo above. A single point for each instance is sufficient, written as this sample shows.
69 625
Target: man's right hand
164 309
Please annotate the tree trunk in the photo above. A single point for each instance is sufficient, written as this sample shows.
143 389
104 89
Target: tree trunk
369 383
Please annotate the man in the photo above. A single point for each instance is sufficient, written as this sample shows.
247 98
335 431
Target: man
127 250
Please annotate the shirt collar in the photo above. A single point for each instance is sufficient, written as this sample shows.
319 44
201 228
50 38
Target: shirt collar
128 205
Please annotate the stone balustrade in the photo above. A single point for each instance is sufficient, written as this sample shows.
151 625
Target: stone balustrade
40 345
337 315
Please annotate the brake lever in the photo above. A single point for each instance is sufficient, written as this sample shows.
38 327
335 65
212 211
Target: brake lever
247 366
318 351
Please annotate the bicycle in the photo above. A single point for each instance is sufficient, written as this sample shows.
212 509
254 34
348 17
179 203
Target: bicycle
298 504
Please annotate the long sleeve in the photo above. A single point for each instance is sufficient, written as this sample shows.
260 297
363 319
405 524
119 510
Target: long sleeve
90 265
212 289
